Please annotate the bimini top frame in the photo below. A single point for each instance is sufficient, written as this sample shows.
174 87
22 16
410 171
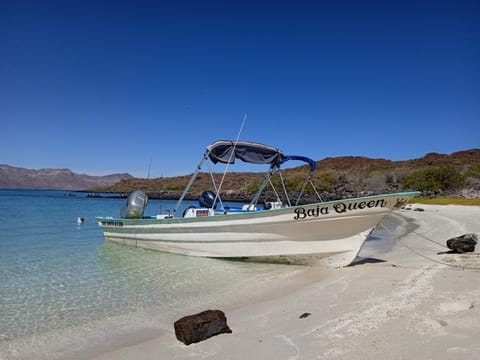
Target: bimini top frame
227 151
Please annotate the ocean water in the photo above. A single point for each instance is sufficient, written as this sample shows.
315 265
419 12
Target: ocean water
62 288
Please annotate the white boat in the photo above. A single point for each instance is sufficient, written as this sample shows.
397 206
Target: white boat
334 231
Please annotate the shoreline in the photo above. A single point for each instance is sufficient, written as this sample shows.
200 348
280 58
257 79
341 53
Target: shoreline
399 299
406 301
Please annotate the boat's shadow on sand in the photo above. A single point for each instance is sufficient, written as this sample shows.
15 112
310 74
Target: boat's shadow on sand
366 260
309 260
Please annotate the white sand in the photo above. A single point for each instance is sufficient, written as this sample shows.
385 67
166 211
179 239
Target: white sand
407 302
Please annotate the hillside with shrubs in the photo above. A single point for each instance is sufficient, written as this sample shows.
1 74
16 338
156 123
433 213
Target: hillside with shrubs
456 174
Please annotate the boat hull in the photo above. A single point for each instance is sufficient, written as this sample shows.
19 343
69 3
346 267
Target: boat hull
335 230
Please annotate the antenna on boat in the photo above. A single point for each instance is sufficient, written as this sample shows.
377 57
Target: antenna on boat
149 167
236 141
232 155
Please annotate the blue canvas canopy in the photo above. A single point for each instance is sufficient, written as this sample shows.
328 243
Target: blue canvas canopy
226 151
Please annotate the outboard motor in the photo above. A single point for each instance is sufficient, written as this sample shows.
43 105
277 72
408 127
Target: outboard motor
134 206
208 199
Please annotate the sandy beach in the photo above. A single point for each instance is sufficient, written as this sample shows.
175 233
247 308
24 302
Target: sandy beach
398 301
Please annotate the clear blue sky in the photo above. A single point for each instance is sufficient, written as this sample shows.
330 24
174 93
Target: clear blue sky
102 87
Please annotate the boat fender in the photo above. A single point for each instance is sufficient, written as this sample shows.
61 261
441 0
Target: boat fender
134 206
208 199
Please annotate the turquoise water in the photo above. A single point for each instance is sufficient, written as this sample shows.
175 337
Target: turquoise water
60 282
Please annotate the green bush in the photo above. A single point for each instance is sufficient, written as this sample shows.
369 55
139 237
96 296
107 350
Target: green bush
435 179
474 171
327 180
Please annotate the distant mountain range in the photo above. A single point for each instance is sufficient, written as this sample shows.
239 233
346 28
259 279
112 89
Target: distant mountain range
59 179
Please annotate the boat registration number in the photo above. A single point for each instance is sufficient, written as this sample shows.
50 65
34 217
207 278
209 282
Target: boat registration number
111 223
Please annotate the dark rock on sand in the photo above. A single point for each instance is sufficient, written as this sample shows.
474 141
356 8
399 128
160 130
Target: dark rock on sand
463 243
195 328
304 315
